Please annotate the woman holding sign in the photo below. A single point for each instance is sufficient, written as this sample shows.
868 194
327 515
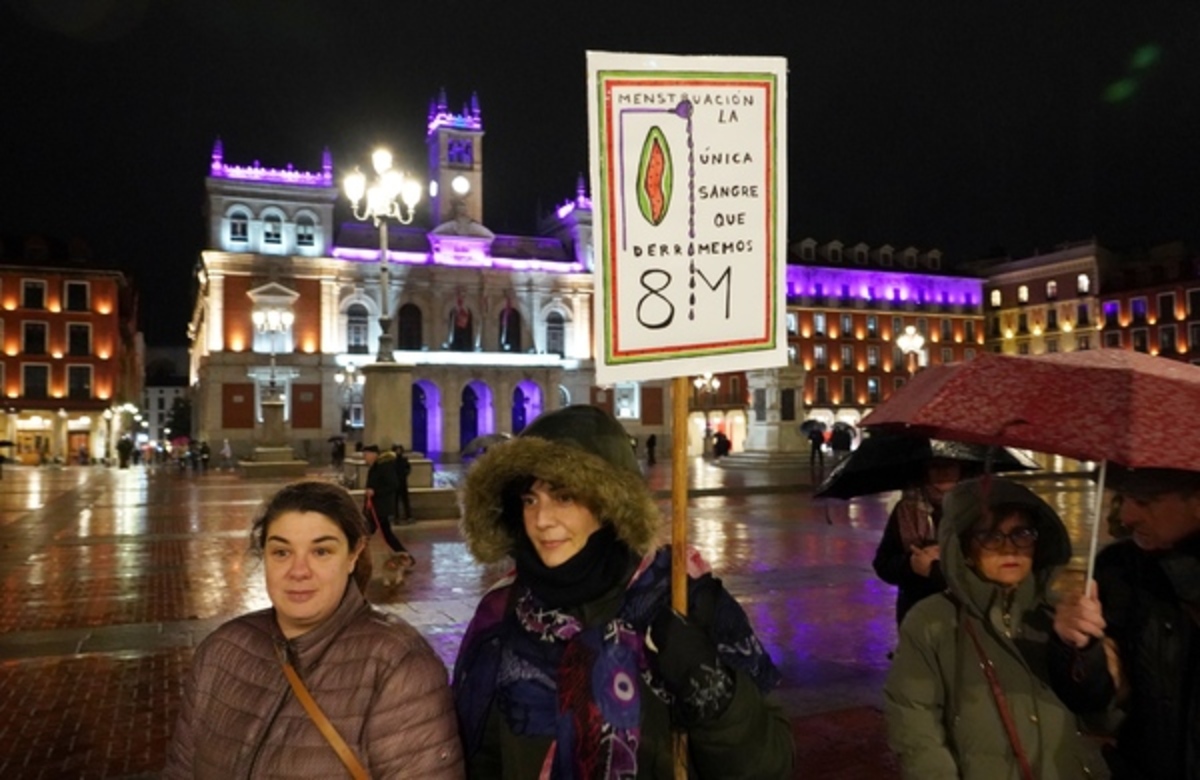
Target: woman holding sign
574 664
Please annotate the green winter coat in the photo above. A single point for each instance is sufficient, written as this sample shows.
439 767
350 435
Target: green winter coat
942 718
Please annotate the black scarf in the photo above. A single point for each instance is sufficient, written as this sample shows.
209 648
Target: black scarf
589 573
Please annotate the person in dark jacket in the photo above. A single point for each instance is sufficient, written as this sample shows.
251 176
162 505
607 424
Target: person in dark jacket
908 555
1001 545
383 486
403 469
373 676
1128 652
574 664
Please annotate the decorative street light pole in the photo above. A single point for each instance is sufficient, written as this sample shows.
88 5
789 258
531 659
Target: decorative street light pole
379 206
350 381
910 344
274 322
707 386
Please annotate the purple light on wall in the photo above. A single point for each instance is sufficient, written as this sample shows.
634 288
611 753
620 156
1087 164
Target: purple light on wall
471 260
288 175
440 115
866 285
456 121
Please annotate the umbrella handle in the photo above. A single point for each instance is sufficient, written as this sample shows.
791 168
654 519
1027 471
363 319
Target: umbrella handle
1091 567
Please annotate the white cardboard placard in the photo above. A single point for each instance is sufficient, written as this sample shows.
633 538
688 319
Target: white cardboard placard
689 185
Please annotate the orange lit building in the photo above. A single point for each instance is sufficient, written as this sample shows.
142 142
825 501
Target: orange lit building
848 304
1048 302
1151 303
69 351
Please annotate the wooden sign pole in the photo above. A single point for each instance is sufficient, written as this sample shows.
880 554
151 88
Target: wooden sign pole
679 494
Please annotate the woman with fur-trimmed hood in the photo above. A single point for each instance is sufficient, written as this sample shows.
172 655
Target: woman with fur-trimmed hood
574 664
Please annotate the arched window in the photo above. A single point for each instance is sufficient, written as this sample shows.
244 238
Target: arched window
356 329
556 340
1023 294
1083 284
306 231
510 329
273 230
1051 290
239 227
409 322
995 298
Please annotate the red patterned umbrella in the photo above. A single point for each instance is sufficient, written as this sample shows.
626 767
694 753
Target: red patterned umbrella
1102 405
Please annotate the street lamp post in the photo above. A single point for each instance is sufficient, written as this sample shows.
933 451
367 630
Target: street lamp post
910 344
274 322
707 386
108 418
379 204
350 380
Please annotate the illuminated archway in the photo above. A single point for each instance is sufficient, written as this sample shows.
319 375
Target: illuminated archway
526 405
426 418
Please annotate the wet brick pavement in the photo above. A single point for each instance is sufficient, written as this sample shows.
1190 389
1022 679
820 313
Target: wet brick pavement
109 578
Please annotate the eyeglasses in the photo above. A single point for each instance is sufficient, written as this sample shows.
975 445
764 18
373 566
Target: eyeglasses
1022 538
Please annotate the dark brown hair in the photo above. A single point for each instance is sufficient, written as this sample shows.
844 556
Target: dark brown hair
324 498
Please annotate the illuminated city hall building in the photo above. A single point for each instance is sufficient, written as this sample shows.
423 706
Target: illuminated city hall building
489 330
848 307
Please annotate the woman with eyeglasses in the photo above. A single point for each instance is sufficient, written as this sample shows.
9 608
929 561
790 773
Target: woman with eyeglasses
967 694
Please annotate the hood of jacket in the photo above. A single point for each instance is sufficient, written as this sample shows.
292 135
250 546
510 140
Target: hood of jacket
580 449
964 508
386 457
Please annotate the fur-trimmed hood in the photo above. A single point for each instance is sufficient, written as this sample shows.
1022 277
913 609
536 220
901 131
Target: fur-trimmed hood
580 449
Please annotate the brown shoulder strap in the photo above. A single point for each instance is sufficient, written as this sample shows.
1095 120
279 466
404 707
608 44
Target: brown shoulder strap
327 730
989 671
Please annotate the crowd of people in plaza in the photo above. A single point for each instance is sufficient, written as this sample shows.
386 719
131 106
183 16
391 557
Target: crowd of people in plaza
995 678
575 664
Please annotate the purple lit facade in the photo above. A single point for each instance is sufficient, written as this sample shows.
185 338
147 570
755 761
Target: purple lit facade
843 323
256 173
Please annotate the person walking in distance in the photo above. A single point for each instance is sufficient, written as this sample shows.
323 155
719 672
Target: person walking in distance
816 456
380 506
651 444
403 469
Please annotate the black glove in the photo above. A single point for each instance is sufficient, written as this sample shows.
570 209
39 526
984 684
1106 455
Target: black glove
687 661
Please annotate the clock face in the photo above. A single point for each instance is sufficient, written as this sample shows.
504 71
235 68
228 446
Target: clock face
460 152
460 185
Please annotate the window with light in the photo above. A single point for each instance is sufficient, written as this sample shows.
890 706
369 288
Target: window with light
627 401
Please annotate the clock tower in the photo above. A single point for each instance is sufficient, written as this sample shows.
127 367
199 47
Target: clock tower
455 143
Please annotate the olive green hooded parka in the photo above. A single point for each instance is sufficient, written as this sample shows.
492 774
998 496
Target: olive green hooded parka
942 718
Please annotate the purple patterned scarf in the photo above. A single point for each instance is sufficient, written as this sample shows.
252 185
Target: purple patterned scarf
552 677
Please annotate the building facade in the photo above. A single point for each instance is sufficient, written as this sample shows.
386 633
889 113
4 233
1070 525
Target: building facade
849 304
71 352
1047 302
1151 303
494 329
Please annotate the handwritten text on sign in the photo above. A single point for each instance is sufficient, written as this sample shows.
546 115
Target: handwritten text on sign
689 194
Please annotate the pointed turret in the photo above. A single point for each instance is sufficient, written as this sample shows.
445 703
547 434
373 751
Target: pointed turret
218 156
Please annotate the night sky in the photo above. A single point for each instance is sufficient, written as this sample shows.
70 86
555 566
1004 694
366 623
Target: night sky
973 126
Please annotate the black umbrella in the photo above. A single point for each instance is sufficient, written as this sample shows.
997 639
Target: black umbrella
812 424
888 461
479 444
